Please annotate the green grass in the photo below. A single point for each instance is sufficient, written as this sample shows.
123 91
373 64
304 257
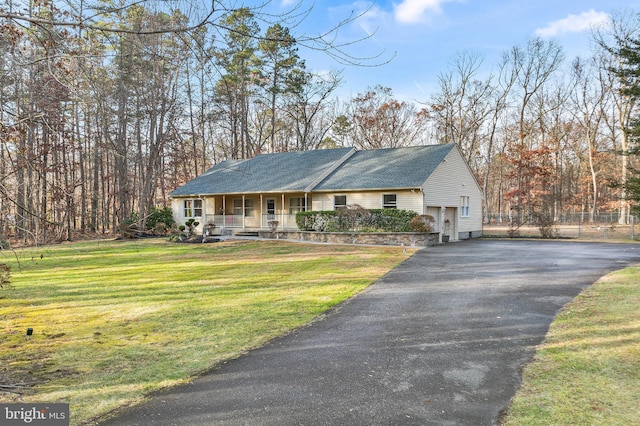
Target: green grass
587 372
116 320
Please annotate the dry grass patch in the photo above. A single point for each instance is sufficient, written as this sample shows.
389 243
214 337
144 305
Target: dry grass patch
115 320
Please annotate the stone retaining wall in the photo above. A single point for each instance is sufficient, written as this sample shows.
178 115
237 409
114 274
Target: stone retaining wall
407 239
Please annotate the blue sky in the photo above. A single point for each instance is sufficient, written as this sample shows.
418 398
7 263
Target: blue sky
422 37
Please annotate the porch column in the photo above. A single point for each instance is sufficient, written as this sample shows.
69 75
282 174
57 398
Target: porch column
243 207
213 200
282 212
261 215
224 210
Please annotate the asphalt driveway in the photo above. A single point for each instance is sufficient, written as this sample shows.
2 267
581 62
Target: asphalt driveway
437 341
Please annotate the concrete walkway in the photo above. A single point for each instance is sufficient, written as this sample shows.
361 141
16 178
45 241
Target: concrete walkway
438 341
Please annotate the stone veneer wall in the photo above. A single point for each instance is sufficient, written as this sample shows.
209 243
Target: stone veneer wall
407 239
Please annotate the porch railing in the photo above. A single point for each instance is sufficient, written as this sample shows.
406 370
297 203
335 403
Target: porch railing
287 221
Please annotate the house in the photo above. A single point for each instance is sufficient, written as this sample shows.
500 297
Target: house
242 195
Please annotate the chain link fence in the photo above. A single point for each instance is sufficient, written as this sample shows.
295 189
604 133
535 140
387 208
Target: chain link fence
568 219
603 226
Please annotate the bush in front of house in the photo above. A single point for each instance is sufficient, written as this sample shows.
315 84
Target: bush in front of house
350 218
160 220
423 223
356 218
392 220
315 221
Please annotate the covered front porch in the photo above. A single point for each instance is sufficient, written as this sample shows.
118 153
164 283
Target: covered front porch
248 212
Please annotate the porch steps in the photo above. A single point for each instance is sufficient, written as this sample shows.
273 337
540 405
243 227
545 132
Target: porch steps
246 233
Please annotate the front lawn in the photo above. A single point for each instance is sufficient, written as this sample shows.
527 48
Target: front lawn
587 372
113 321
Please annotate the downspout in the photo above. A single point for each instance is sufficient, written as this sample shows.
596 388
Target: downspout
261 213
282 211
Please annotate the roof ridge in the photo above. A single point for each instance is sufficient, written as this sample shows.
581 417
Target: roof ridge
330 170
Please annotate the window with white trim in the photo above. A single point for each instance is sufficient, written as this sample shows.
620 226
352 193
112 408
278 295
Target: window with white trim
237 207
297 204
464 206
389 201
248 207
339 201
192 208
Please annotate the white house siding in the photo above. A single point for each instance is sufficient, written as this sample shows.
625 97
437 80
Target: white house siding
406 200
178 213
322 202
177 207
442 195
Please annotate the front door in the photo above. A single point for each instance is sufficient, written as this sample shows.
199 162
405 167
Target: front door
271 209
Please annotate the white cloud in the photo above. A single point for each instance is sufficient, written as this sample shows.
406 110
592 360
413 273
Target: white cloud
413 11
574 23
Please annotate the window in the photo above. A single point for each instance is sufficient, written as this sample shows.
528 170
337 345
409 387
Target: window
339 201
464 206
297 205
248 207
271 209
389 201
192 208
237 207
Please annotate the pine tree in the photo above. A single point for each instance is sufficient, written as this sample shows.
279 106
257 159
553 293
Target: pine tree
627 51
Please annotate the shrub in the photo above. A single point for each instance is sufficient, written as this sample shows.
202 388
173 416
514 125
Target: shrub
191 225
156 216
422 223
352 218
314 221
392 220
546 224
356 218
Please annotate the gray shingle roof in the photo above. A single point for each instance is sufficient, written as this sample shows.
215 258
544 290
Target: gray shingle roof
392 168
285 172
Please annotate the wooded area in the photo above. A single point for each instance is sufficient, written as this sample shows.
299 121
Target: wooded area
108 108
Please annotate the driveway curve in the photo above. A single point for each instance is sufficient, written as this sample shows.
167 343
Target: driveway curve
439 340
